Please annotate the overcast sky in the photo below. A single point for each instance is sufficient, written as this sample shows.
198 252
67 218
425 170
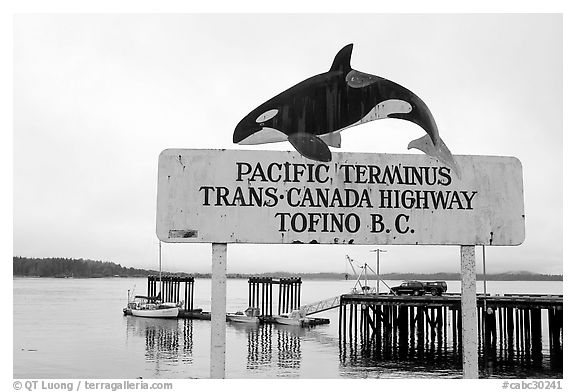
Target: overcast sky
98 97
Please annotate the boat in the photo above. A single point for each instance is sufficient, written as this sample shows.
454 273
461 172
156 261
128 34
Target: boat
249 316
143 306
293 318
152 307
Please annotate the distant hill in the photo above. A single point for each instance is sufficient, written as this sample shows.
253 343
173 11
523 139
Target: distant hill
507 276
81 268
77 268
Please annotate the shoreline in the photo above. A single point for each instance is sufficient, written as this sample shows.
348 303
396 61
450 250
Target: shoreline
450 277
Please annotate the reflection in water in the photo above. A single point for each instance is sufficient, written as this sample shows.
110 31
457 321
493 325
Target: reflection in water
399 353
289 353
260 346
433 345
169 341
259 341
166 340
188 341
530 350
421 350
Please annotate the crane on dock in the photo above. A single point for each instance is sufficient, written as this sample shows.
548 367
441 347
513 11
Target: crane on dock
365 289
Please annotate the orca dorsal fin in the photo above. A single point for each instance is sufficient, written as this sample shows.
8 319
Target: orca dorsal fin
342 60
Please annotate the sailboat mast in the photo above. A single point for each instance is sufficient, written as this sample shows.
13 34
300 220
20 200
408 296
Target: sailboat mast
160 266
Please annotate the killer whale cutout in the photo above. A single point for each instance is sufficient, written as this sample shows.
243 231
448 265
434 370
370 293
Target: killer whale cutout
360 91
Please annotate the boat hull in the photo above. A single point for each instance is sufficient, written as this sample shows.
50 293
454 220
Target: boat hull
156 313
243 319
288 321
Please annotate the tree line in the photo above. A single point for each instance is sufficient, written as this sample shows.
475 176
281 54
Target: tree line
59 267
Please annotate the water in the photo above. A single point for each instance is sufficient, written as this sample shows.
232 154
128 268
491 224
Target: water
74 328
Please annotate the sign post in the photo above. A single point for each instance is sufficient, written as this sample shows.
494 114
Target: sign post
218 310
469 312
274 197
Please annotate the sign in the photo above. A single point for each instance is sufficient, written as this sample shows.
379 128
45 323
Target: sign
273 197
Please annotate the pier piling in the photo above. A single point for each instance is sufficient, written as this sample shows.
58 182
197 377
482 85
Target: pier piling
398 326
261 294
170 289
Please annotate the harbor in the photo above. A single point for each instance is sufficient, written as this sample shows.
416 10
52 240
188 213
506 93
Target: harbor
510 326
127 346
260 296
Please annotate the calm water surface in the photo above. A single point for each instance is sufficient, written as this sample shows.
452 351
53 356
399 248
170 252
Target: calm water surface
74 328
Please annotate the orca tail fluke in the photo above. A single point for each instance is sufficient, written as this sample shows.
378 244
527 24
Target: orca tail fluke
439 151
332 139
311 147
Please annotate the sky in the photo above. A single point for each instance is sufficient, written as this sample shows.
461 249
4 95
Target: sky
97 97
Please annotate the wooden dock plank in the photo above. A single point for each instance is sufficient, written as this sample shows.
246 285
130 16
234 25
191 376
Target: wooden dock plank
453 301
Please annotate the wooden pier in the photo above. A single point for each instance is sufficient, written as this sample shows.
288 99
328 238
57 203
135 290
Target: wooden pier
170 289
510 326
260 294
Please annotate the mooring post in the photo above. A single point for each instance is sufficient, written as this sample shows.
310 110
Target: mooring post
440 325
218 316
279 295
469 312
257 302
250 292
270 296
340 322
264 310
350 321
291 295
299 291
191 293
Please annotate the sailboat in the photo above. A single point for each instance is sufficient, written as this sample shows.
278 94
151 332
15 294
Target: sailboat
154 307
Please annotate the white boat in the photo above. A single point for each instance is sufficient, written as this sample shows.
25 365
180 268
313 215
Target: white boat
142 306
249 316
153 307
293 318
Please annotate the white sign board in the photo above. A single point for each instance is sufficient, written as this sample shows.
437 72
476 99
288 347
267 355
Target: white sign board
273 197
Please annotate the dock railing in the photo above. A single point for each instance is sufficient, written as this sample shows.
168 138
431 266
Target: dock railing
320 306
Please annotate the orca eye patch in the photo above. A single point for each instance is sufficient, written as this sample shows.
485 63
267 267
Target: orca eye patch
267 115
